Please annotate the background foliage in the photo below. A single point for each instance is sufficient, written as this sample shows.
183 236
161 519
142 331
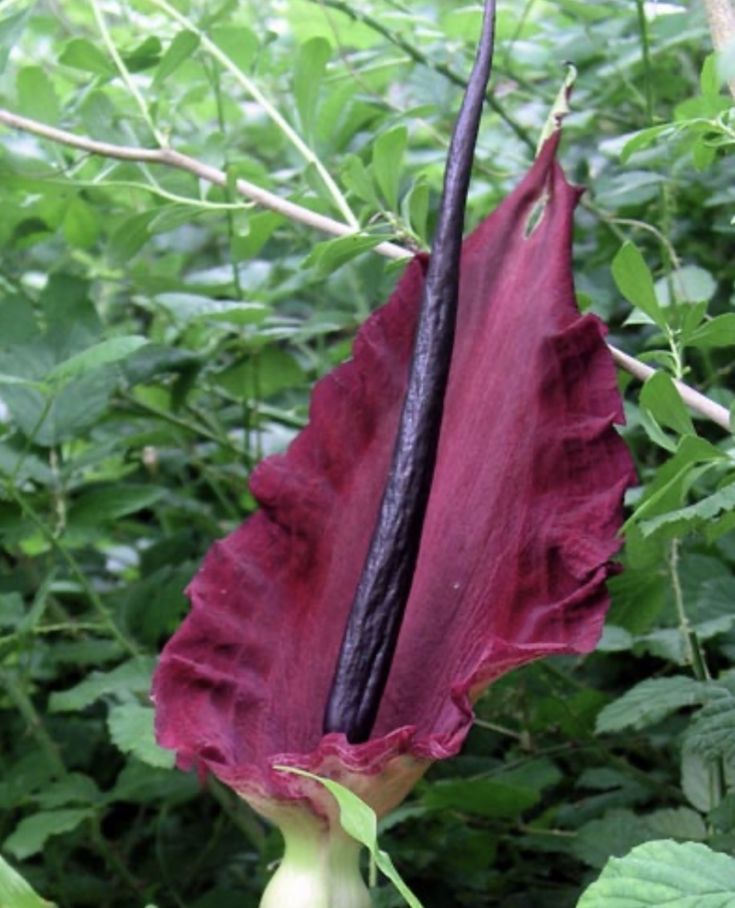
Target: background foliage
158 336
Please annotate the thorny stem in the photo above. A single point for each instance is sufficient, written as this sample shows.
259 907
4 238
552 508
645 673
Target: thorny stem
167 157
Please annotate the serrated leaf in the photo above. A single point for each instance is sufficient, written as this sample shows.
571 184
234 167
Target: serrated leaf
650 702
107 351
132 677
388 153
712 732
613 834
131 730
359 821
32 833
701 515
15 892
677 823
678 875
634 280
73 788
659 395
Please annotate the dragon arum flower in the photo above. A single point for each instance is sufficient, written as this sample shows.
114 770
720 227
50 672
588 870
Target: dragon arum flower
521 523
449 513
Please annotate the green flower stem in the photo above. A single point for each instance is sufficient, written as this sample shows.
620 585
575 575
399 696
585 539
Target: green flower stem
320 867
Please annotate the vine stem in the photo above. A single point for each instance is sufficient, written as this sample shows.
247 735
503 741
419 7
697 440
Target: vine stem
168 157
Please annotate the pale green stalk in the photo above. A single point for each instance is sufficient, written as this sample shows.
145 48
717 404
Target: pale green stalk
320 868
125 74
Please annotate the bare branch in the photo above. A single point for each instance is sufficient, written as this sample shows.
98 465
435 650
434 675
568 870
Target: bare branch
167 157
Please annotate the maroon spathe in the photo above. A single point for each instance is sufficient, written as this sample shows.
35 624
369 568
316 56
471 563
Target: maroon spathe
522 522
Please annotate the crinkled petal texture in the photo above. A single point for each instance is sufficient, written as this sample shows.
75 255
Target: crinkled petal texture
521 525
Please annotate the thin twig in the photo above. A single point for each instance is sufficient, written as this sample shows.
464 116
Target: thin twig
167 157
693 399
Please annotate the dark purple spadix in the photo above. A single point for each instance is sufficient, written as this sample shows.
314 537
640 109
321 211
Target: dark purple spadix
374 621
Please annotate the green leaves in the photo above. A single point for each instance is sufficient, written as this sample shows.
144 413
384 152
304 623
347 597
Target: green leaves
658 873
650 702
108 351
131 729
388 151
634 281
15 892
311 64
81 53
32 833
660 397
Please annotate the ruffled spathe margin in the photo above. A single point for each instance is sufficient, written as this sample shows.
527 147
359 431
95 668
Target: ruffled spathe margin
522 522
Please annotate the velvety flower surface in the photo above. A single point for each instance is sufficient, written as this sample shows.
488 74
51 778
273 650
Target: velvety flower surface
521 525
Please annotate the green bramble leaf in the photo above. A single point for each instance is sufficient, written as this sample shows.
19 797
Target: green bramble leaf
678 875
32 833
131 730
651 701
